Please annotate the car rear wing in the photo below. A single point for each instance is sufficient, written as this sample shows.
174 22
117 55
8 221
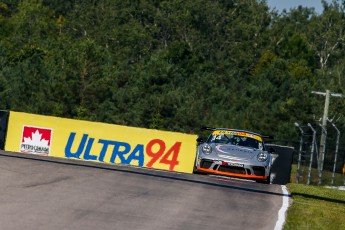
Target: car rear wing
267 137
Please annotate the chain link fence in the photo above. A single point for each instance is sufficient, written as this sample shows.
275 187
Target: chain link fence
306 168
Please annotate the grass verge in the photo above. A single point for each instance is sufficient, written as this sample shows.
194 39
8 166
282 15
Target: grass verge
315 207
339 178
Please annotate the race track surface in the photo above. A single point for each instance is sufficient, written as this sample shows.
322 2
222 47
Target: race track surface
43 193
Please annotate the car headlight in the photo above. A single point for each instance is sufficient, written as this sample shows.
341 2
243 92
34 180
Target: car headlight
206 149
262 156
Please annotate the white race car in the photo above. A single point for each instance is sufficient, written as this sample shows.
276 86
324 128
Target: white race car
235 153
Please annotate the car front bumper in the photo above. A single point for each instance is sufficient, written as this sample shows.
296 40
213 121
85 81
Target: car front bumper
232 169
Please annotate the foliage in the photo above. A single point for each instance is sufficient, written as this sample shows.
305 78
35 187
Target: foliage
172 65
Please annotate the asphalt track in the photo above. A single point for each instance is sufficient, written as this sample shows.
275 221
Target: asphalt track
43 193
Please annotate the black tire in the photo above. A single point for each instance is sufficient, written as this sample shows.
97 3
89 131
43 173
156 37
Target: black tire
195 171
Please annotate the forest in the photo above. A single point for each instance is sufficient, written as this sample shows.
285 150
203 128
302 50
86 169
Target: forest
173 65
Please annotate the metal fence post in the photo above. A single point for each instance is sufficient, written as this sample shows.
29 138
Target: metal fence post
299 153
344 169
336 151
311 153
322 156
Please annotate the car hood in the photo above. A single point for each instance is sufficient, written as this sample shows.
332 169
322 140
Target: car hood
234 152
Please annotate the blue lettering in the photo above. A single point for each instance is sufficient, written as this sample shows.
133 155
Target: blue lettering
87 155
105 143
140 157
117 152
68 152
120 150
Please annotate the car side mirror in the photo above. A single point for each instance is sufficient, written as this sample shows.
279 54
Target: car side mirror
200 140
271 150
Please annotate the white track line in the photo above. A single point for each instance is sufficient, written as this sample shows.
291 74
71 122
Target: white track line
281 214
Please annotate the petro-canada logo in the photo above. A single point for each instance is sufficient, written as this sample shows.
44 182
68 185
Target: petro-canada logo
36 140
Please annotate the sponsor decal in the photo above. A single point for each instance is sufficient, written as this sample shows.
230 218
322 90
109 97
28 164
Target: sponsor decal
229 163
235 164
36 140
236 133
151 154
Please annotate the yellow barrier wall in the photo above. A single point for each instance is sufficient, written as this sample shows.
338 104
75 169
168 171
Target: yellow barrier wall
100 142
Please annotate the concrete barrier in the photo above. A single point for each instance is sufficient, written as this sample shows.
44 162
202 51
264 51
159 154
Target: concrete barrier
3 127
100 142
281 169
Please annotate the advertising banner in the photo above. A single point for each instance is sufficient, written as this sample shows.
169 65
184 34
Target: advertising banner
100 142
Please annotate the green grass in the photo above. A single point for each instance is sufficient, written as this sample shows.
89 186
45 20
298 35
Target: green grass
315 207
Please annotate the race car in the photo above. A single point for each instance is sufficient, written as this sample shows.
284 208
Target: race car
234 153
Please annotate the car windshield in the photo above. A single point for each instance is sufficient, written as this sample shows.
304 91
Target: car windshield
236 138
